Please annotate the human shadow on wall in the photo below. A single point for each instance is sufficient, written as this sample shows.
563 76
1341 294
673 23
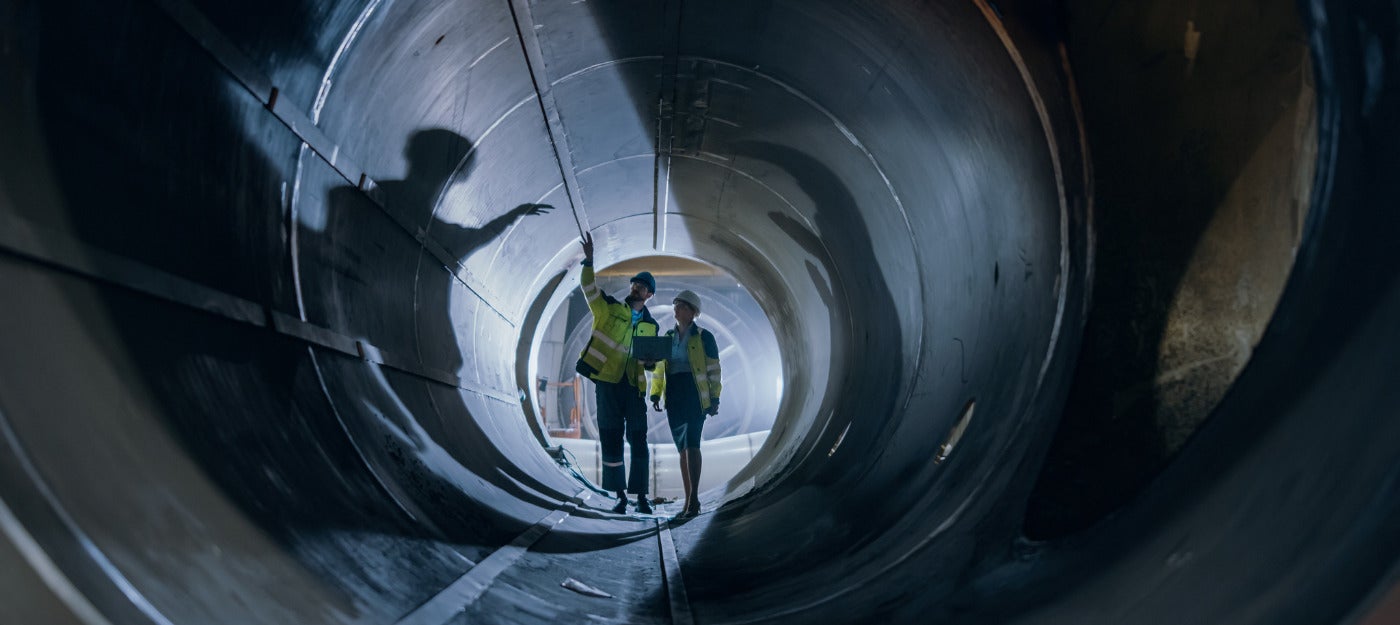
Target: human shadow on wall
363 454
859 301
200 193
835 496
408 456
421 433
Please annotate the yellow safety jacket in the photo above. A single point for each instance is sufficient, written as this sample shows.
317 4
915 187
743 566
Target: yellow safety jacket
704 366
607 356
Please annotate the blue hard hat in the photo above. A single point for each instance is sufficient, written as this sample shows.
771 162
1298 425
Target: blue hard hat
645 278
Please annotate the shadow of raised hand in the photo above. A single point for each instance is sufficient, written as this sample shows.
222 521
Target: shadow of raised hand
525 210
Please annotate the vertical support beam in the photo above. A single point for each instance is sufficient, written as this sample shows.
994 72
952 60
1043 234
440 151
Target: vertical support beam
527 31
665 120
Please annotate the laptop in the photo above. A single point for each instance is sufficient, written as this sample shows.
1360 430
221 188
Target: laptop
651 347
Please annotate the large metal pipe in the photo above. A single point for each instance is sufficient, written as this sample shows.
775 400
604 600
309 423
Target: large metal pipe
271 268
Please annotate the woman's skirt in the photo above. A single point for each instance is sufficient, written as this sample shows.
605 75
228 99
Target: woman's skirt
683 411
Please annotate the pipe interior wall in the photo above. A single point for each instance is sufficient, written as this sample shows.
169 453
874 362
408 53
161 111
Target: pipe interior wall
260 356
1204 163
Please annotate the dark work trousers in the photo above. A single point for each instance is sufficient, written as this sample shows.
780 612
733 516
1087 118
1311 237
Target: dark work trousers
623 412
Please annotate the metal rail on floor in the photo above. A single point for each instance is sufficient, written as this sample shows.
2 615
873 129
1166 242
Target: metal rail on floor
463 592
671 569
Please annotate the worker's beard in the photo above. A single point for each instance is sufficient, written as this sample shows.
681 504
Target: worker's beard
633 298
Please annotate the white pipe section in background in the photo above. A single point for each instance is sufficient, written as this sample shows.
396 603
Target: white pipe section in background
724 457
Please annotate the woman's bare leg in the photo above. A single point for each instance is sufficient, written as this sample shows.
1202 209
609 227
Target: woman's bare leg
692 457
685 478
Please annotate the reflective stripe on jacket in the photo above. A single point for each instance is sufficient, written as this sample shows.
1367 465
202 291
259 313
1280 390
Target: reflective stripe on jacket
607 355
704 365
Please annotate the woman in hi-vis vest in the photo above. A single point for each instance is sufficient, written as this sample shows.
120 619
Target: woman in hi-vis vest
689 380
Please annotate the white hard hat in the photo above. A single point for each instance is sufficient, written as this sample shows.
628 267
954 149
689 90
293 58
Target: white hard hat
691 298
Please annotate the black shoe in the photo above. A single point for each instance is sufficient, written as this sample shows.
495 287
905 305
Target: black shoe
621 507
643 506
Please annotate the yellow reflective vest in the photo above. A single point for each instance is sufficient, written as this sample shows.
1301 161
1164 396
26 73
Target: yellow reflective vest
704 365
607 356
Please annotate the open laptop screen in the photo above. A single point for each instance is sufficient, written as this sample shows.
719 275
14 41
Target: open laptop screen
651 347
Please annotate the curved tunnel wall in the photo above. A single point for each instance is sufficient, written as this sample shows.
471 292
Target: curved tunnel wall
173 457
1204 135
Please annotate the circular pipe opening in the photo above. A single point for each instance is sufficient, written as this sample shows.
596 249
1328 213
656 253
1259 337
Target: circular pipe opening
752 372
276 346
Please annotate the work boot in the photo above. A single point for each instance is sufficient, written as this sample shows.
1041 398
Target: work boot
621 507
643 506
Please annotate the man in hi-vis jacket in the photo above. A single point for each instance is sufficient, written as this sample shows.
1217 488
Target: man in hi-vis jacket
620 380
